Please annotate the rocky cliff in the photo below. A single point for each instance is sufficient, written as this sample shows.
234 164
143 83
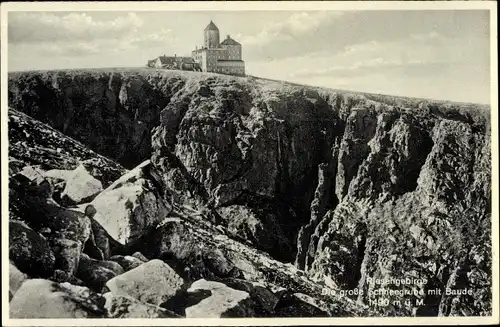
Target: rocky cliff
298 188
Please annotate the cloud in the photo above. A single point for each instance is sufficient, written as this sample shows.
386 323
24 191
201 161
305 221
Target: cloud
80 34
292 28
36 27
160 38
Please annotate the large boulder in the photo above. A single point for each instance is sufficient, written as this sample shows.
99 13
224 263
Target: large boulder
131 205
153 282
224 301
40 298
80 187
30 251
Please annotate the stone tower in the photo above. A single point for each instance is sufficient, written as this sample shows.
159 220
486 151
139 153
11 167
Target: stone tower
211 36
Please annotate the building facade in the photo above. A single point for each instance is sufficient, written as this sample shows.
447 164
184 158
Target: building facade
175 62
219 57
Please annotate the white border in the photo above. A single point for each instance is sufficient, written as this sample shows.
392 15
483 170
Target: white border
253 6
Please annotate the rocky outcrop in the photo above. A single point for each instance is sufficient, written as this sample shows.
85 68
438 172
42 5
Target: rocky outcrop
400 213
34 143
350 187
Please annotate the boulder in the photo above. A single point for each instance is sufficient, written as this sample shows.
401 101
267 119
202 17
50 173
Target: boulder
40 298
153 282
111 265
80 187
126 262
224 301
29 251
16 278
128 307
131 205
140 256
93 274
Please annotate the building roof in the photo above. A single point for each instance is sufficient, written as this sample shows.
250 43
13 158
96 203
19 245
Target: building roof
211 27
229 41
168 60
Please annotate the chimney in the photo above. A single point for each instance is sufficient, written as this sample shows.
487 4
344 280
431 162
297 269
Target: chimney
175 55
228 36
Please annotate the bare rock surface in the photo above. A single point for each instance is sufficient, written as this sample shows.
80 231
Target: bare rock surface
32 142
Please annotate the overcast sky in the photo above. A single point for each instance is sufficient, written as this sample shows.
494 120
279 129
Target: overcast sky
431 54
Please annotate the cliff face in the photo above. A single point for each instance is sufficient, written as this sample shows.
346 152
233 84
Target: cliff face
349 187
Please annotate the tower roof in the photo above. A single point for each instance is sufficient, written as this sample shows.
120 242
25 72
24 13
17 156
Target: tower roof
229 41
211 27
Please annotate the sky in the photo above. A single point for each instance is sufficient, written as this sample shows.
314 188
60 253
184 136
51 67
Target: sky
437 54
